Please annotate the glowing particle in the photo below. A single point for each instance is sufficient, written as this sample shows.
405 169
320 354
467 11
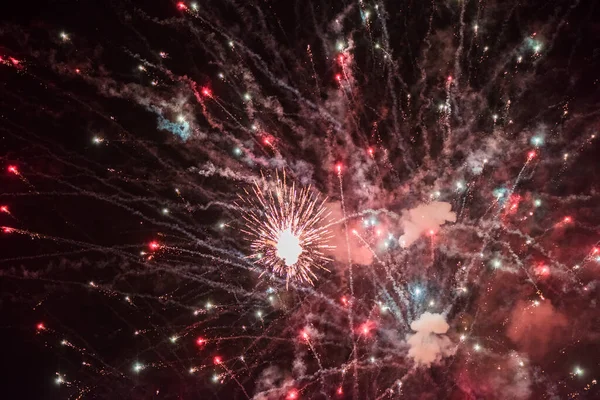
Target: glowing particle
221 76
340 391
578 371
496 263
13 169
165 210
209 305
237 151
338 77
476 347
59 379
64 36
137 367
4 209
194 6
463 338
206 92
340 46
292 394
40 326
537 202
537 141
217 360
231 44
200 341
531 155
567 220
97 140
259 314
154 246
181 5
431 303
418 291
247 96
162 54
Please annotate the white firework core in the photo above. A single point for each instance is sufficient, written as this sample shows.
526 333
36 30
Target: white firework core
288 247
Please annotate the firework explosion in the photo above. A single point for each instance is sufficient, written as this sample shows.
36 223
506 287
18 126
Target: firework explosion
288 230
144 255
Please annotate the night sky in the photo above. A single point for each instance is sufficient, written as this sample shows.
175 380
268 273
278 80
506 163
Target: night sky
448 151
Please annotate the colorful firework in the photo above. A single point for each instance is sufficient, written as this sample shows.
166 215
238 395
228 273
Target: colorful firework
288 229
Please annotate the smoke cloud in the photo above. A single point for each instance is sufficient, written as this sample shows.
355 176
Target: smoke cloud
423 218
358 251
429 344
535 328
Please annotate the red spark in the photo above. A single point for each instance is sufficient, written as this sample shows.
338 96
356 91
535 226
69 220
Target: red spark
340 391
13 169
595 250
542 270
4 209
338 167
77 70
531 155
181 5
341 58
292 394
449 79
14 61
7 229
40 326
206 92
217 360
370 150
154 245
431 232
366 328
338 77
344 300
267 141
567 220
304 335
200 341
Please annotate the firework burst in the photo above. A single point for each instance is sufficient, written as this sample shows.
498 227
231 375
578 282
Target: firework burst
288 229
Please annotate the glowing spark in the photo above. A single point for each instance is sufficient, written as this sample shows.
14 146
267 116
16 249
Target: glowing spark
285 227
206 92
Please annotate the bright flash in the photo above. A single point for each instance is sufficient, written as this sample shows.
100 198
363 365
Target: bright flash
288 247
287 228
